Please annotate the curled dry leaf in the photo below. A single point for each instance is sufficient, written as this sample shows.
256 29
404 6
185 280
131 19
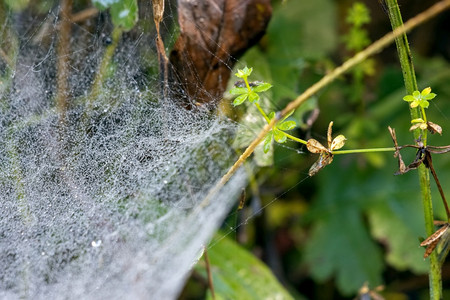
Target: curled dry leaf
314 146
422 126
338 142
432 241
213 33
401 163
325 159
158 11
326 156
433 128
329 133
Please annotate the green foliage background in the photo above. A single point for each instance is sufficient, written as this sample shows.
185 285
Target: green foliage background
354 222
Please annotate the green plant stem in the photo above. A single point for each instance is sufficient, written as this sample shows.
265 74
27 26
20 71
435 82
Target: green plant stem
295 138
409 77
424 117
336 73
262 112
369 150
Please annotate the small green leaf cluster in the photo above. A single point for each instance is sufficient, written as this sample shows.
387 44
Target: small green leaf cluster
421 100
248 92
245 90
277 133
358 37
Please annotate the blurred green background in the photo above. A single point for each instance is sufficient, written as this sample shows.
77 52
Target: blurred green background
354 222
322 237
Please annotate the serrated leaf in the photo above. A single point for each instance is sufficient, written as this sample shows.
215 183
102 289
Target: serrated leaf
262 88
238 274
360 192
240 99
391 223
338 142
279 136
315 146
253 97
238 91
287 125
340 246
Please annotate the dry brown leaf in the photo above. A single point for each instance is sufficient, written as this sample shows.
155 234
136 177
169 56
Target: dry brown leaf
433 128
325 159
315 146
213 33
338 142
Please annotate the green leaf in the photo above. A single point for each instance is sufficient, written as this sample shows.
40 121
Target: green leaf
271 115
429 96
409 98
253 97
17 5
340 246
245 72
238 91
279 136
124 14
240 99
268 142
287 115
103 4
238 274
391 224
287 125
262 87
424 103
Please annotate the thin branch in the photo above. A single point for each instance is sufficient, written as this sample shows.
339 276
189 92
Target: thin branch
208 271
429 165
84 14
345 67
63 57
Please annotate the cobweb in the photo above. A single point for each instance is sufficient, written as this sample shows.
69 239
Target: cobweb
104 204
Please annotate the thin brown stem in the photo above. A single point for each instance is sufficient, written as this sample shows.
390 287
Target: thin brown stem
63 57
345 67
208 271
84 14
429 164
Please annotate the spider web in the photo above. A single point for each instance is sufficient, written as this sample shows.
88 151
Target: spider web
104 204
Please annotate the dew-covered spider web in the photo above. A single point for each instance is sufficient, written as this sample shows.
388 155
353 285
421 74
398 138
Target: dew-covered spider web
103 201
